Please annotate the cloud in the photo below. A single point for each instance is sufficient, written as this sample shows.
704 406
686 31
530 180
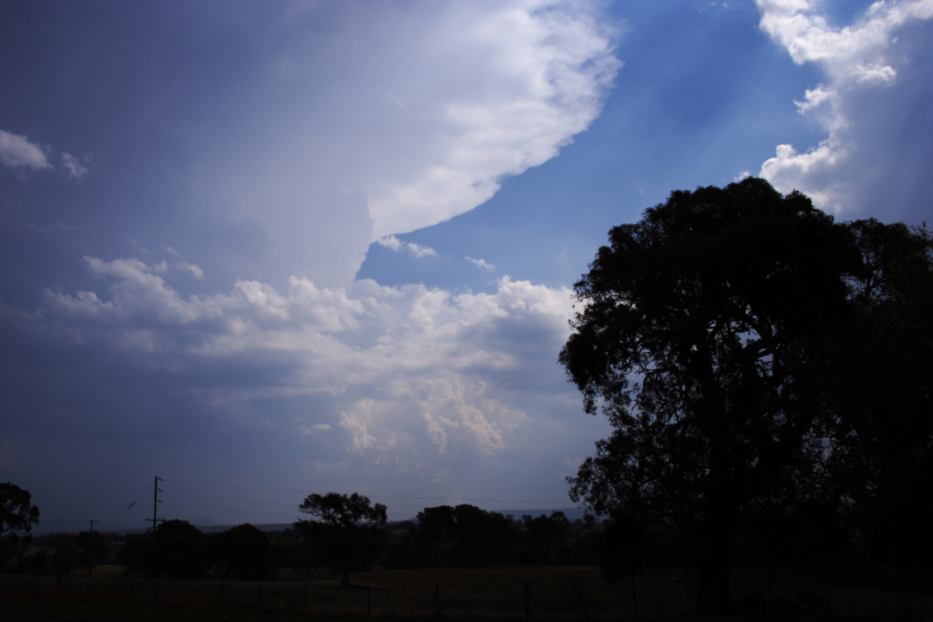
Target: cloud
76 167
872 105
17 152
362 387
482 264
415 250
340 145
404 367
193 269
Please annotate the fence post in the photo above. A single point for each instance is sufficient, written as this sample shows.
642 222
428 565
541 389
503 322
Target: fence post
526 598
437 598
369 606
223 592
260 595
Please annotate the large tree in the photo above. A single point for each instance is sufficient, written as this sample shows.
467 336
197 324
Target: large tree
702 336
882 430
346 533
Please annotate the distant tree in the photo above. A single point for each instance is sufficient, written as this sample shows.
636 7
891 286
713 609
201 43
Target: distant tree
176 548
546 538
137 555
702 337
243 552
64 555
92 549
17 516
464 535
346 533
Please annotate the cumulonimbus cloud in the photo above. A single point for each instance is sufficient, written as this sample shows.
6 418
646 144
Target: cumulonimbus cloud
875 89
339 145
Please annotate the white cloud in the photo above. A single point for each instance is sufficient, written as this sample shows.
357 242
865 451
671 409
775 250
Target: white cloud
193 269
481 263
76 167
415 250
875 73
390 242
339 145
17 152
403 367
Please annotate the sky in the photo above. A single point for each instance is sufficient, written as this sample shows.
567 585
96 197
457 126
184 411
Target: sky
268 249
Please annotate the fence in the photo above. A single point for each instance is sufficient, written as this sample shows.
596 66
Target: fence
516 594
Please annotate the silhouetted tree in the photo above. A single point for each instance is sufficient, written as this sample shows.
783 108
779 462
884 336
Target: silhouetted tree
882 432
17 516
546 538
137 554
91 549
176 548
703 339
347 532
64 555
464 535
243 552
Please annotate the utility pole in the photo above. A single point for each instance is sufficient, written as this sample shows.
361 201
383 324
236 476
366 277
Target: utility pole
155 502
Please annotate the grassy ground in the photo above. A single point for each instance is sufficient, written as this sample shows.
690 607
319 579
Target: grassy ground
547 594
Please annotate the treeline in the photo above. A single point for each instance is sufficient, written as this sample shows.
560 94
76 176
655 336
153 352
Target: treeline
440 537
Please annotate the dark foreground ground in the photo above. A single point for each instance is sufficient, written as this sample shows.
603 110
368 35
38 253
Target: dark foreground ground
548 594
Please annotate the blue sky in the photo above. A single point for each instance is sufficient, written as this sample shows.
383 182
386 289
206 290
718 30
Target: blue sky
293 247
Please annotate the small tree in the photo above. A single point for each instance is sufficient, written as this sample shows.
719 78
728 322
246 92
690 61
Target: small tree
346 534
243 552
17 516
91 549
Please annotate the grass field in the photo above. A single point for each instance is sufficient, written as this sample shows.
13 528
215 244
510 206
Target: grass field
548 594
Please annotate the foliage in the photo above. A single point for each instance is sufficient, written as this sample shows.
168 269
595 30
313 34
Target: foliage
464 535
17 516
547 538
176 549
882 433
92 549
703 340
243 552
347 535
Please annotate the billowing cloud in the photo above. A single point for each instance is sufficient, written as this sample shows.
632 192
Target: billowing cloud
17 152
404 377
873 105
419 125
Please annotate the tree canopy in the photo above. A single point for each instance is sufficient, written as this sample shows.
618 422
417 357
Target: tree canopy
710 336
347 533
17 516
